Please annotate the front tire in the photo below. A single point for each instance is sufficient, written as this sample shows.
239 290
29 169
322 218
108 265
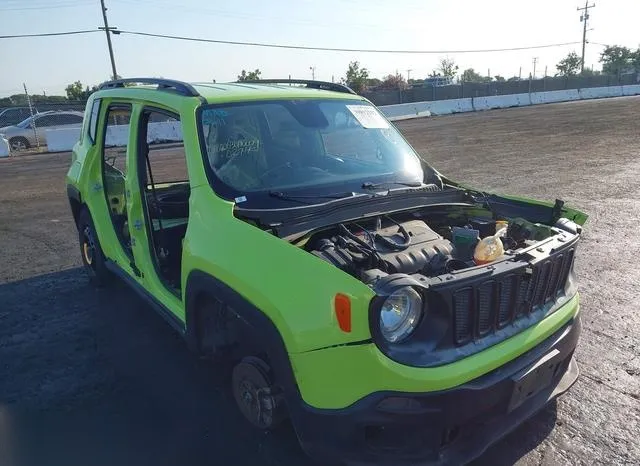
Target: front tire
91 251
19 143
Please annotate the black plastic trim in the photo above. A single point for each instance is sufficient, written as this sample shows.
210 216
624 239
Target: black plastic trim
300 220
166 314
311 84
477 411
432 342
179 87
258 329
514 208
75 201
93 122
74 193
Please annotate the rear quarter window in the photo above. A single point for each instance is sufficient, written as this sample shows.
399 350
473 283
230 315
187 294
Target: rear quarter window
93 120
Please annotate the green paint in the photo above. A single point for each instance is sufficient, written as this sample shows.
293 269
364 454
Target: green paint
292 287
359 370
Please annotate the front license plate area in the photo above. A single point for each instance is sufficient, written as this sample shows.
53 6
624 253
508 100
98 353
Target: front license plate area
530 381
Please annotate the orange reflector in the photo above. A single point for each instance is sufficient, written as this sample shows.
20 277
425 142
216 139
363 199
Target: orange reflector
342 305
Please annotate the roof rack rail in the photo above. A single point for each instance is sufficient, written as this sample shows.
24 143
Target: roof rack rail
327 86
180 87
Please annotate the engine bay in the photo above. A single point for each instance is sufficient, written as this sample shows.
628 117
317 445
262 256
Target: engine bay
425 243
448 268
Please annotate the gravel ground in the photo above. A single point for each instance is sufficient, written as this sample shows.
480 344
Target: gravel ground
94 377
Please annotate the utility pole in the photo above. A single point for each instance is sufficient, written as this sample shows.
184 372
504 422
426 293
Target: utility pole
535 60
33 120
584 17
409 75
313 72
107 31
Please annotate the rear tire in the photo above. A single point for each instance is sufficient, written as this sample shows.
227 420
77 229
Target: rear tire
19 143
91 251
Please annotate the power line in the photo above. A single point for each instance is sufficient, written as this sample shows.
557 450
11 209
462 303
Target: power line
296 47
46 6
35 3
48 34
334 49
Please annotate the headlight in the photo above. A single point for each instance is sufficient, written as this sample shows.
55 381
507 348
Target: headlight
400 314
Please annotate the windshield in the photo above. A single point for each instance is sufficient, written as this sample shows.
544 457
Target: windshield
25 123
303 145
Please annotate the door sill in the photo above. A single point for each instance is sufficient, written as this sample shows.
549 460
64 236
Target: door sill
166 314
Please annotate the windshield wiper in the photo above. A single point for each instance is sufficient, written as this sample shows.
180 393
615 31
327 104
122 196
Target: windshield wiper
370 185
301 197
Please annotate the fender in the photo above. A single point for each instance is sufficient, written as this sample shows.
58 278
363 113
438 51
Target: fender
257 325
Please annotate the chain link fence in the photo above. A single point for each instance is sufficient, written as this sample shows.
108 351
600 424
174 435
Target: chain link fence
25 125
428 92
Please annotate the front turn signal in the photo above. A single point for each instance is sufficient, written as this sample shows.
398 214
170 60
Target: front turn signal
342 306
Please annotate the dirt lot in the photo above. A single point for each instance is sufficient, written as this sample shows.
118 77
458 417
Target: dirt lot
93 377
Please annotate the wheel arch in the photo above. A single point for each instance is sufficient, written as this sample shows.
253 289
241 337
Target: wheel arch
20 138
75 202
256 325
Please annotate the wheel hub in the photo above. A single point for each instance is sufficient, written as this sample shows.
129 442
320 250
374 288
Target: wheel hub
18 145
255 396
88 246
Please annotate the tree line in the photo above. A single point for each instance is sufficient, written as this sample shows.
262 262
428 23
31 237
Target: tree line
74 92
615 60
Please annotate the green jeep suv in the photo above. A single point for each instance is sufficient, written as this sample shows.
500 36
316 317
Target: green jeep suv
392 314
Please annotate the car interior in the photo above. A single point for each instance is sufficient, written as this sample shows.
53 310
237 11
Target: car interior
168 210
164 181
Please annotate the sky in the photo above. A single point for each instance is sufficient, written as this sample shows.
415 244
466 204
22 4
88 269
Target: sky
50 63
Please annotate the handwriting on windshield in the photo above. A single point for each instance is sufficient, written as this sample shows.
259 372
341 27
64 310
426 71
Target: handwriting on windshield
215 117
240 147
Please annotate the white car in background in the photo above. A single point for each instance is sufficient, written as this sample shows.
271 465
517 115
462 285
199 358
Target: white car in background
4 147
22 136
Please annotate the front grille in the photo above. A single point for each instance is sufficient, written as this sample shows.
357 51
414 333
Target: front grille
481 309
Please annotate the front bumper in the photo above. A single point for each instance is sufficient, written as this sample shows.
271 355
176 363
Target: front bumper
450 426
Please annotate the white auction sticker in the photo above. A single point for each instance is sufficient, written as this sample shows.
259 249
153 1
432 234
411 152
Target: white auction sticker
368 116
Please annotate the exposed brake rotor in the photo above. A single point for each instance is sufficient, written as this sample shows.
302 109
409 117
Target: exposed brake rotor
260 403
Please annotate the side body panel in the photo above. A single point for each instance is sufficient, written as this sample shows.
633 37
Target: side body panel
292 288
85 177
